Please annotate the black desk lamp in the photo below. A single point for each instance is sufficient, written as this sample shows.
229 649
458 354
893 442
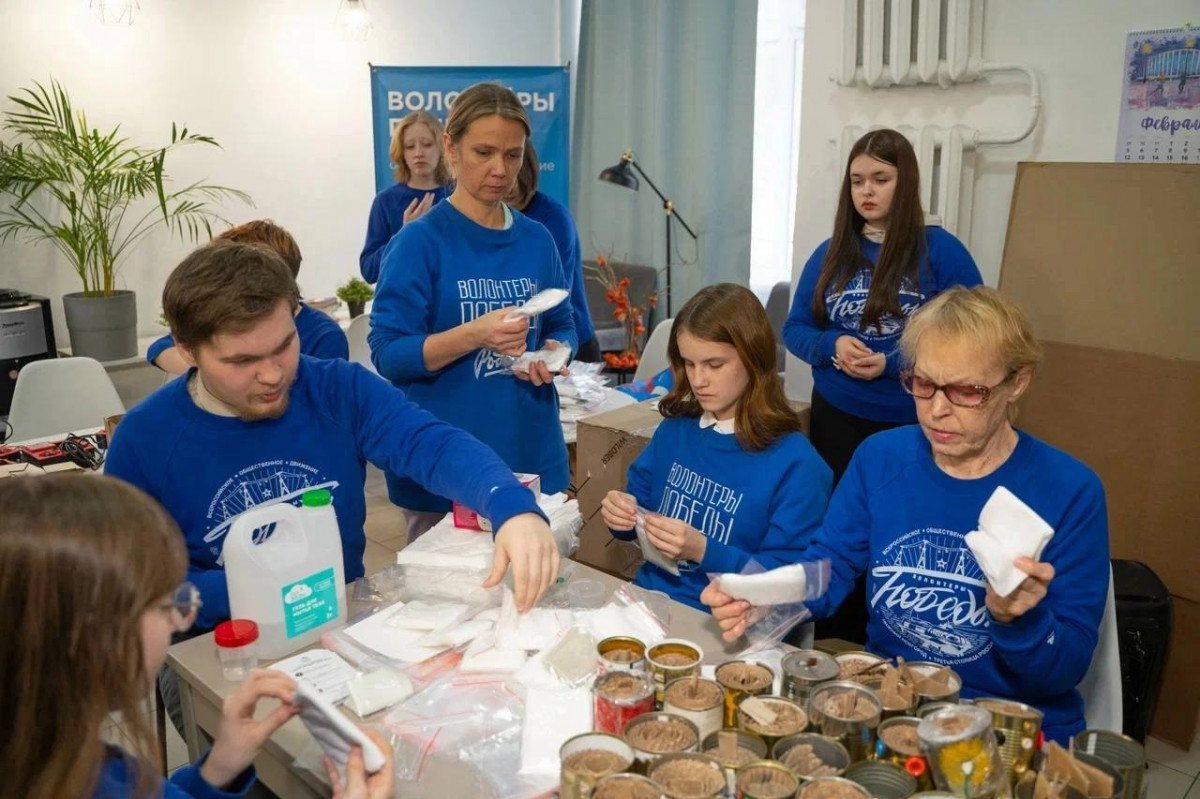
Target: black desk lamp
622 175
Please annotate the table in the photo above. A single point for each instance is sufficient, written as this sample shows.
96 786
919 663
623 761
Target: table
203 688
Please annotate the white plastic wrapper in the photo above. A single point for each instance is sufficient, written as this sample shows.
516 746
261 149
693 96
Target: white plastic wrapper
551 717
375 690
541 302
532 631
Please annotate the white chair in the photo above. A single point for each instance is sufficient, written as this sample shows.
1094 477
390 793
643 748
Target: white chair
60 395
654 354
1101 686
356 335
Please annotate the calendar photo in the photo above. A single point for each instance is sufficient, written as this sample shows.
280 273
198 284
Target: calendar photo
1160 104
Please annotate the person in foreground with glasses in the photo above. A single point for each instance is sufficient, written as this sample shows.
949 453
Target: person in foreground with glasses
90 583
911 494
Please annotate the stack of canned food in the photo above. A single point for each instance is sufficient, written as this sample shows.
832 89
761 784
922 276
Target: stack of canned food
847 727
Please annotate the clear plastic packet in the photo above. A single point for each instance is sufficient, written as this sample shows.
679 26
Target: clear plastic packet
795 585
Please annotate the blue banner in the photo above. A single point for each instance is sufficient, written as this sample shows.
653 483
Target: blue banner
544 91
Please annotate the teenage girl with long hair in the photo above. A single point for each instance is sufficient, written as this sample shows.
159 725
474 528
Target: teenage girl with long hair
728 476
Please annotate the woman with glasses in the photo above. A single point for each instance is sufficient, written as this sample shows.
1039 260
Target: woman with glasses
910 495
855 293
91 574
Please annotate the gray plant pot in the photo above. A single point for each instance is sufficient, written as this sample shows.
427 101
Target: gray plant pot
104 328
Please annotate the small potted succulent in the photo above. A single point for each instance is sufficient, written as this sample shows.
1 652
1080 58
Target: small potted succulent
355 292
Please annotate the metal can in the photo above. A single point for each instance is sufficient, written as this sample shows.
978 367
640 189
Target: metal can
588 758
933 707
960 745
838 787
621 653
670 660
627 786
700 701
747 742
765 779
1017 727
853 727
689 775
882 780
740 679
926 669
1121 752
618 697
656 734
805 669
790 719
890 710
798 752
898 743
853 663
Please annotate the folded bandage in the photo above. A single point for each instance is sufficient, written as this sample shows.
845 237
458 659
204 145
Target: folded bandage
540 303
1008 529
782 586
555 359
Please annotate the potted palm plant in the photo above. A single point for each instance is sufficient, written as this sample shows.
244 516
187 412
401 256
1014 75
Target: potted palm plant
94 196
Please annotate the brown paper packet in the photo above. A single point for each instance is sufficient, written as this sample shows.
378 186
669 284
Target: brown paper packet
727 746
758 710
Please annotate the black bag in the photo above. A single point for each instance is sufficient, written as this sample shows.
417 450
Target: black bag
1144 617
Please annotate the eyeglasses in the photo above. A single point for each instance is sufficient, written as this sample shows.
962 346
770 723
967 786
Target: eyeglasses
183 606
964 395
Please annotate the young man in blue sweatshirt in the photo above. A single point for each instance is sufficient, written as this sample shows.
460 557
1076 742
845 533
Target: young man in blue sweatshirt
911 494
554 216
443 321
254 422
320 336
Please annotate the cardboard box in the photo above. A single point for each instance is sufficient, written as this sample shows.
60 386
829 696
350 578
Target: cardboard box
1101 257
607 444
468 519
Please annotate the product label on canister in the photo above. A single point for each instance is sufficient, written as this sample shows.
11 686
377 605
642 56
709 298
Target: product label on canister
309 603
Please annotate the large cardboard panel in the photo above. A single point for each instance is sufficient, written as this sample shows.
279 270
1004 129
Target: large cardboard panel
1104 255
1175 714
1134 419
607 444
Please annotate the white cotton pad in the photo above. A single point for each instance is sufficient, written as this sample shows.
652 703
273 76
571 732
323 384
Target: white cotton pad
334 732
1008 529
420 615
782 586
541 302
375 690
555 359
650 552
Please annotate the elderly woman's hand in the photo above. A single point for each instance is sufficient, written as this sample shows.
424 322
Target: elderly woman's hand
733 615
1028 594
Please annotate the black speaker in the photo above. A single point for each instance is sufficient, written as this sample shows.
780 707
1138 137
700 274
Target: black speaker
1144 617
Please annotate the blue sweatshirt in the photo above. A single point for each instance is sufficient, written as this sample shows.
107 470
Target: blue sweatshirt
118 778
320 337
945 264
448 271
762 505
386 219
555 217
206 469
901 519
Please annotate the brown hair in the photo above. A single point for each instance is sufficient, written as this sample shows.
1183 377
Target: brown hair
225 287
903 246
441 173
484 100
82 557
730 314
266 232
527 177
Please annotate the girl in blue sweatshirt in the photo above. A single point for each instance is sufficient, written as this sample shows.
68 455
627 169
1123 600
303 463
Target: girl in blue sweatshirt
443 321
422 178
851 303
901 512
91 573
728 477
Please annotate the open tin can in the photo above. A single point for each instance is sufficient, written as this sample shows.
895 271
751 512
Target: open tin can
1121 752
740 679
688 775
810 755
749 747
848 712
805 669
765 779
628 786
657 734
670 660
1017 727
700 701
882 780
831 788
621 653
588 758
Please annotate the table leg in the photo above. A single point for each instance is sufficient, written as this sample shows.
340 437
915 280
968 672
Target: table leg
191 731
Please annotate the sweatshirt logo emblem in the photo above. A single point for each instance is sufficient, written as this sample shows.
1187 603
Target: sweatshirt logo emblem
845 308
929 592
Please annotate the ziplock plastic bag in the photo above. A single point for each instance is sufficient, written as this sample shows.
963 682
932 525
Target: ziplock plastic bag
788 587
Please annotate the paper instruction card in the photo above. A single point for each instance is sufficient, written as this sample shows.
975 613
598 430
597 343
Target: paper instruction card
323 670
650 552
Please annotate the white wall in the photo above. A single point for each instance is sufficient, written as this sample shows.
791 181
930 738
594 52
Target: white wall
1075 46
288 99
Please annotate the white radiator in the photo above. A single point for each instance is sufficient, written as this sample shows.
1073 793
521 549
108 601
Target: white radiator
905 42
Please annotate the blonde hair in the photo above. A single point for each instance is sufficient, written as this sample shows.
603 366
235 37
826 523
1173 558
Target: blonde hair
980 315
484 100
441 173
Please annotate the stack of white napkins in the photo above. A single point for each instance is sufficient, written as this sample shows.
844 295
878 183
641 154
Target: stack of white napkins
448 547
1008 529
